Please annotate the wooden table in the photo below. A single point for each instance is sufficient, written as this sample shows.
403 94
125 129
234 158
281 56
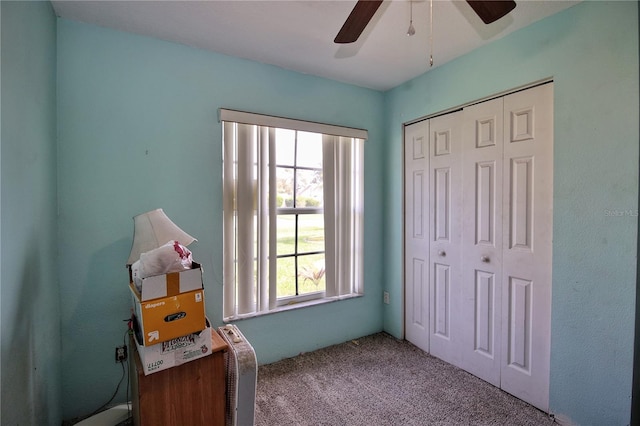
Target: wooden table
191 394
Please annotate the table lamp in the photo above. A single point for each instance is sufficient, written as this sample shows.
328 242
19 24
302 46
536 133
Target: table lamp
152 230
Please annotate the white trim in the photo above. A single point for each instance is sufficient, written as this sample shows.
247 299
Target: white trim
299 210
289 123
477 101
313 302
562 419
303 298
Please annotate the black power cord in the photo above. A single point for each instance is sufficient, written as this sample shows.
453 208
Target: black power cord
128 333
102 407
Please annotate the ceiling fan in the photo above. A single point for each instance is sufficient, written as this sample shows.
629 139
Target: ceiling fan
488 10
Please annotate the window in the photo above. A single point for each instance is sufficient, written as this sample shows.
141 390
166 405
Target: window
293 213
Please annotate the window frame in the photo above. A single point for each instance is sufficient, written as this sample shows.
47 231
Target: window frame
296 212
340 145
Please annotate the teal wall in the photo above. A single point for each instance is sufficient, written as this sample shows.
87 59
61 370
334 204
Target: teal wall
138 130
591 52
30 305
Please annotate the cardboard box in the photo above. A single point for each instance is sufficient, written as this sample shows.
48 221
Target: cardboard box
174 352
170 306
170 284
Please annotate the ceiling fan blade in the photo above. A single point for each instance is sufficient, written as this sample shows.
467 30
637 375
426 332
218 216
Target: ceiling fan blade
357 21
491 10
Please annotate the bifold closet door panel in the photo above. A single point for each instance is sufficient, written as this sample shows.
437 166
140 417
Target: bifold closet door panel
482 139
527 245
445 198
416 228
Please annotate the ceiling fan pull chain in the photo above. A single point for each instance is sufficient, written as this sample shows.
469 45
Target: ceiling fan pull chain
431 33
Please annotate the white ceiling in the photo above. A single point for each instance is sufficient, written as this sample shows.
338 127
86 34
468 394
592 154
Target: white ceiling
298 35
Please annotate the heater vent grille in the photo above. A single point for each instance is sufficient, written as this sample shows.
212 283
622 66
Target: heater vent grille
241 374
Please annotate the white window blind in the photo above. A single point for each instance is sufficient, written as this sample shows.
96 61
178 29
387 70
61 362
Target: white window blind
258 260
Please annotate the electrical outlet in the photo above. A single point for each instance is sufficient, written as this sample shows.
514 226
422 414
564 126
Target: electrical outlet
385 297
121 353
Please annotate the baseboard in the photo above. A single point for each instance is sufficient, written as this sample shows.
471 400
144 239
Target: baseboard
563 420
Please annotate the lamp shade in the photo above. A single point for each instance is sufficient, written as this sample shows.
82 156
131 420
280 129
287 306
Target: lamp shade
152 230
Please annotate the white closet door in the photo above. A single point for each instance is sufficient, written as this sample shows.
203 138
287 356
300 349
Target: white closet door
445 149
478 240
482 239
527 245
417 234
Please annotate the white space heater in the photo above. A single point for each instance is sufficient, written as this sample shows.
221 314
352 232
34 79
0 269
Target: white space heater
242 376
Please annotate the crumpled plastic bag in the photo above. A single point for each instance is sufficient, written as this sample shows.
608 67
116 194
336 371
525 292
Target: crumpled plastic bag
170 257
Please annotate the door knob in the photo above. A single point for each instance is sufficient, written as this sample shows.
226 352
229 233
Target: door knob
484 259
442 253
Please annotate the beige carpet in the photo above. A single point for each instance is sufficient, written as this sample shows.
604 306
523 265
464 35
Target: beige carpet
380 380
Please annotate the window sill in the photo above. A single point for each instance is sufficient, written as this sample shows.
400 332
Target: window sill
293 306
